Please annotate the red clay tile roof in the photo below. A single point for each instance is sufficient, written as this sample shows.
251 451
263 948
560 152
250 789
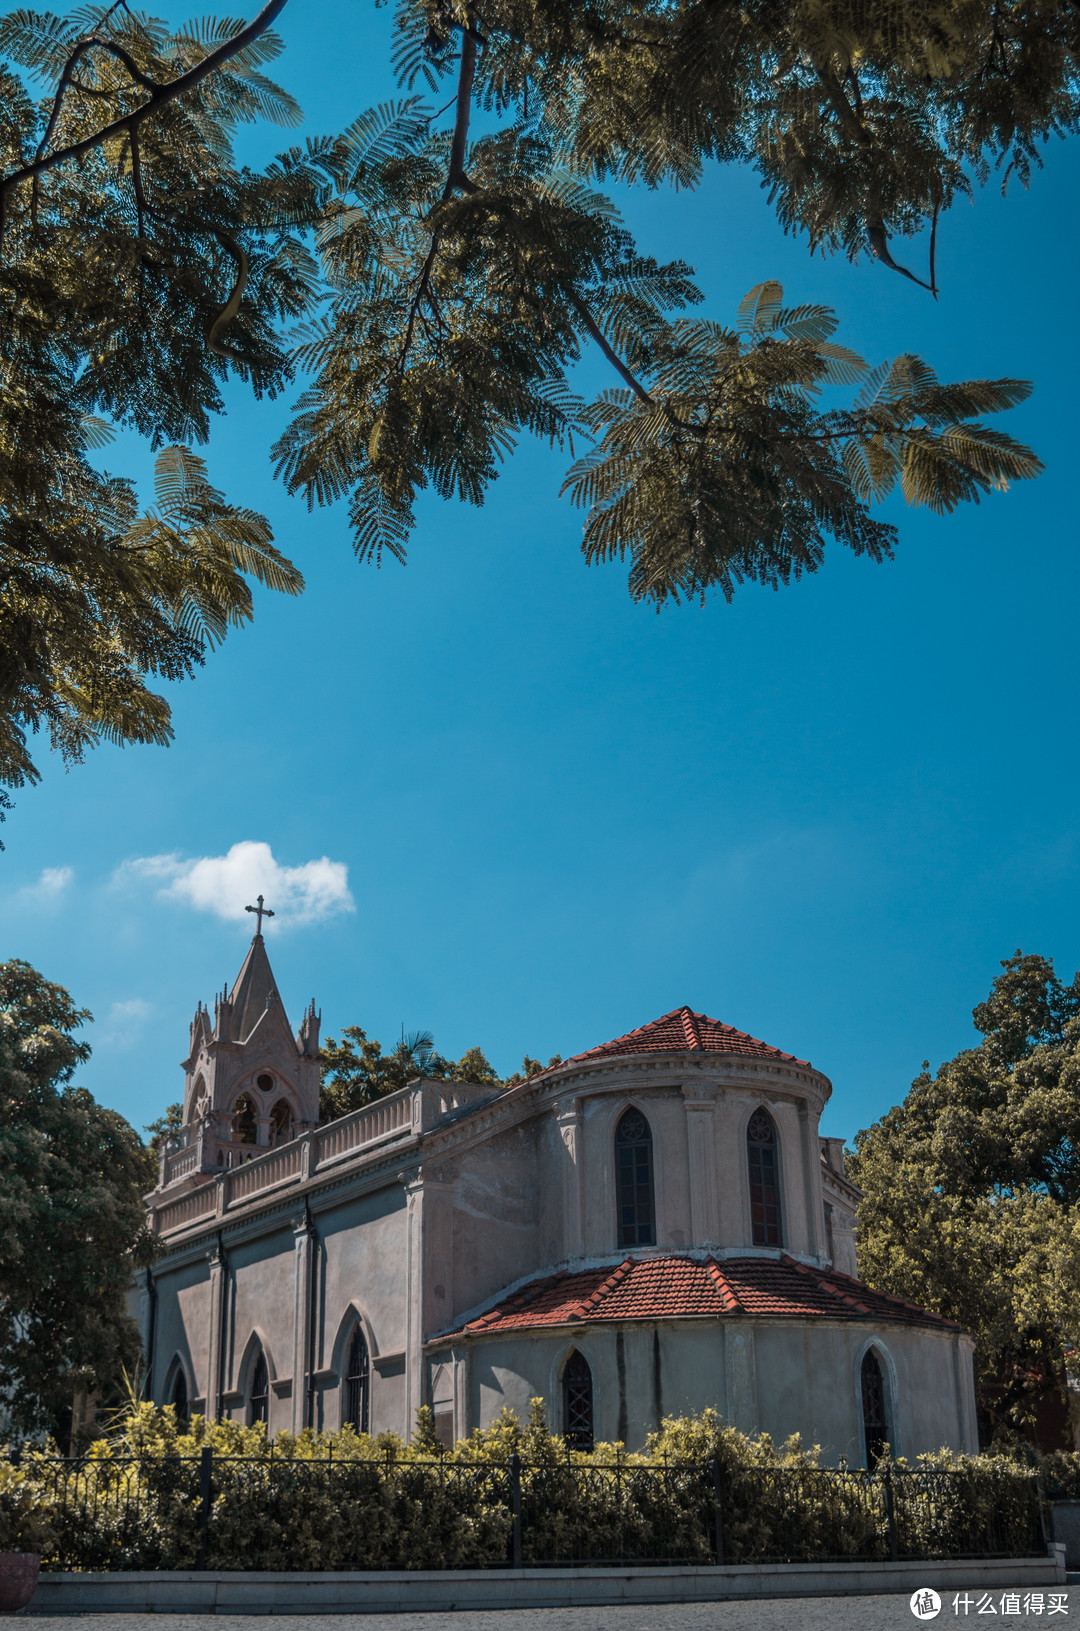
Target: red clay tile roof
683 1031
660 1288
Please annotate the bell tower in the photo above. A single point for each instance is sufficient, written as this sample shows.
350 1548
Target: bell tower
249 1082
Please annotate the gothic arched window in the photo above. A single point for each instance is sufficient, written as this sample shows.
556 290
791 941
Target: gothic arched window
875 1419
357 1383
179 1397
281 1122
634 1180
244 1120
577 1402
764 1180
259 1399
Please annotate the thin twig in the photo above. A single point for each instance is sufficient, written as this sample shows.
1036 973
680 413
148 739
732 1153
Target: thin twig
879 243
136 182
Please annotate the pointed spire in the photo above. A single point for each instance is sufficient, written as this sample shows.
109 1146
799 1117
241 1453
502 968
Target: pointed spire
254 992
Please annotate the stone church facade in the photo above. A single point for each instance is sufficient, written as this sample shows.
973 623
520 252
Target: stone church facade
650 1228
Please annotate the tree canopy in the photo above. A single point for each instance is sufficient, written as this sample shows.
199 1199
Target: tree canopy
430 289
71 1179
972 1191
355 1071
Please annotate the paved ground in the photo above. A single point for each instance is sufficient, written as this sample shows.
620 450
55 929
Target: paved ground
890 1613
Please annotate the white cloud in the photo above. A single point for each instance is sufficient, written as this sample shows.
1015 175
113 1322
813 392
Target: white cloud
133 1009
49 886
123 1023
225 884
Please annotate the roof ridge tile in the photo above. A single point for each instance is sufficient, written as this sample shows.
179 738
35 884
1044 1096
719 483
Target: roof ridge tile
821 1278
728 1295
615 1278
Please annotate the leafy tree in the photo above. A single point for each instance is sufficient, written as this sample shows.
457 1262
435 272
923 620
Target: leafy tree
355 1071
446 284
161 1129
71 1178
111 290
972 1190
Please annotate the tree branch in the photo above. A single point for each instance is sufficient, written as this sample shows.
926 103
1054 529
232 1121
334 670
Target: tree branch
159 98
843 109
220 323
466 78
456 178
596 333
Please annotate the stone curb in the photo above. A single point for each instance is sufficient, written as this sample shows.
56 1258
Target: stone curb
417 1591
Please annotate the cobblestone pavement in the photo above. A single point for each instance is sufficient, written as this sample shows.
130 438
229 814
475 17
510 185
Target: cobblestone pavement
888 1613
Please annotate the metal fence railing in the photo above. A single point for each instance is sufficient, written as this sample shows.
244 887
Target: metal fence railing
285 1513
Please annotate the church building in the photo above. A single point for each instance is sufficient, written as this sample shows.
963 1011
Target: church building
649 1228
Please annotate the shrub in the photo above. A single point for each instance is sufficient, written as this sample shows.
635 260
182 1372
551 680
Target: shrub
351 1501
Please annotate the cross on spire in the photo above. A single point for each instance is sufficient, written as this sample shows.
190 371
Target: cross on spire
260 911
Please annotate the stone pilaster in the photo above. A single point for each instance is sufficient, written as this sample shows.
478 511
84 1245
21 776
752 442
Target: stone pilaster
740 1391
304 1242
414 1294
569 1118
219 1290
699 1104
811 1165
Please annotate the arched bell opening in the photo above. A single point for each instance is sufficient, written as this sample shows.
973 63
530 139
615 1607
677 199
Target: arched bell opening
244 1126
281 1122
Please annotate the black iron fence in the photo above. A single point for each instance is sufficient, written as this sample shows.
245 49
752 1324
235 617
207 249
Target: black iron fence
222 1512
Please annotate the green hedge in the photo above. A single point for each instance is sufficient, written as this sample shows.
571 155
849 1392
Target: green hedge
342 1500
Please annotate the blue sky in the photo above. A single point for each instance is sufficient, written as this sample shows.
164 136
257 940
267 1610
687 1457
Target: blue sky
501 801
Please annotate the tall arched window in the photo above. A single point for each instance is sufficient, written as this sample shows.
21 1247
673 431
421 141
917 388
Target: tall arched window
281 1122
634 1181
244 1120
875 1419
357 1383
179 1398
764 1180
577 1402
259 1399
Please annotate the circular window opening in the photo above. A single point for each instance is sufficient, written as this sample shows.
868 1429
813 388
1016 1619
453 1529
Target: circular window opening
265 1082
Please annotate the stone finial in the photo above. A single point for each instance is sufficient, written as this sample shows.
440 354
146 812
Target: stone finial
307 1037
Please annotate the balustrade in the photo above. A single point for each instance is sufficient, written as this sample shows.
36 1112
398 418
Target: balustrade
197 1203
248 1169
383 1119
264 1172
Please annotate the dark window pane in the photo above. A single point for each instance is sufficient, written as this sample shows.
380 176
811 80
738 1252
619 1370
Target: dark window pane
179 1400
259 1407
634 1180
357 1383
875 1424
578 1402
764 1187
